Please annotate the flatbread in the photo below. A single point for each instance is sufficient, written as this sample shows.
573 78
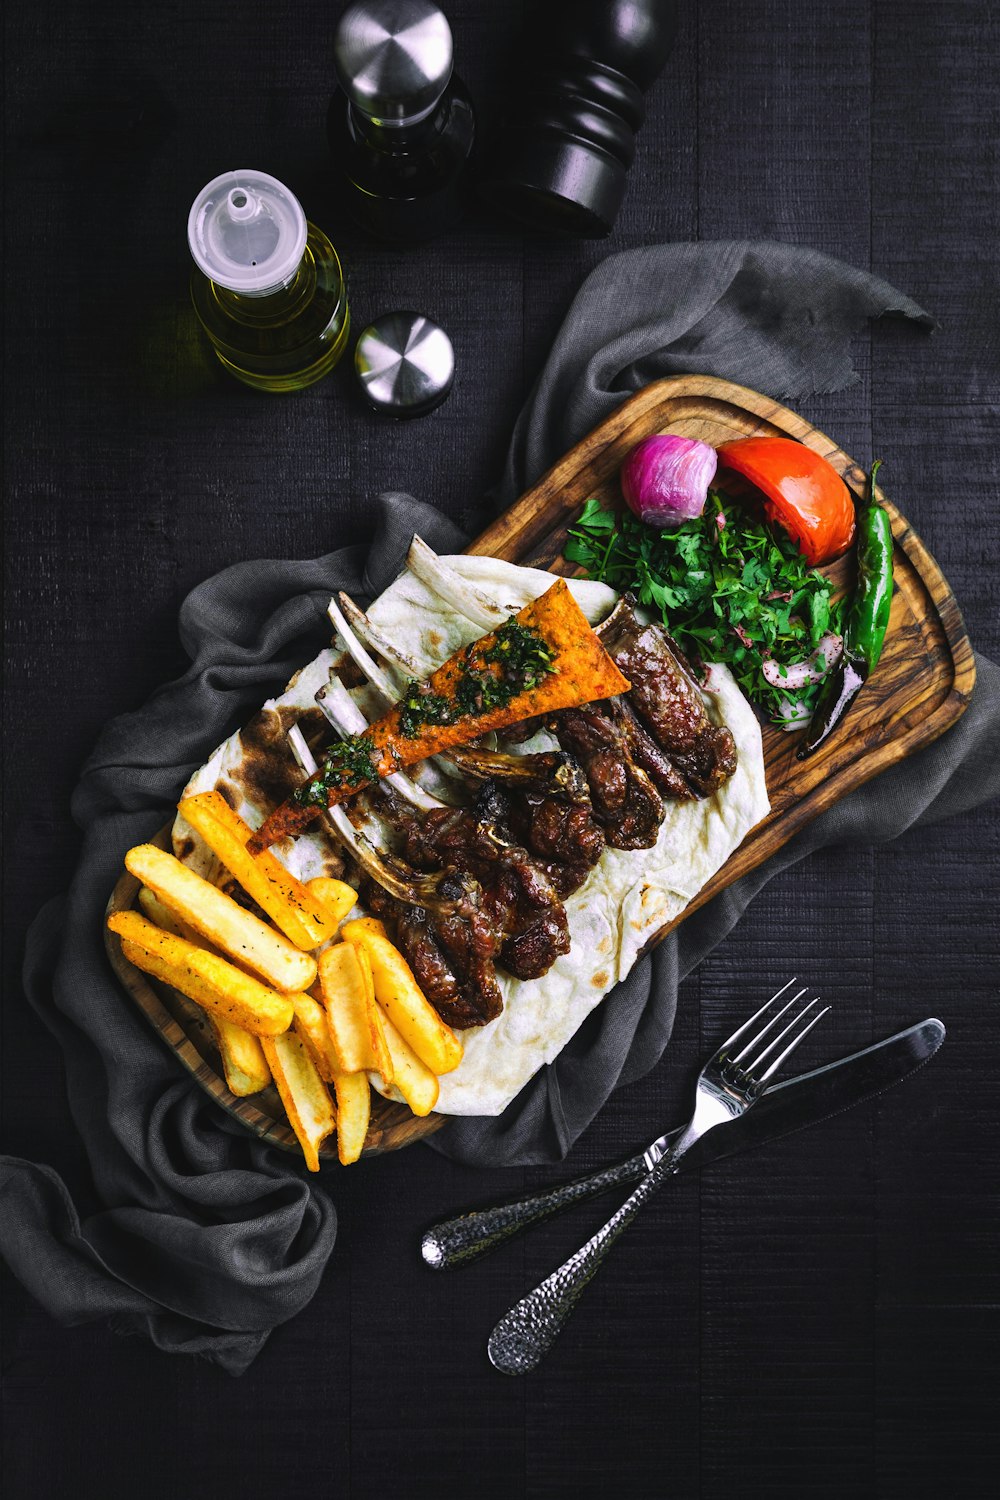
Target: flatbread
627 897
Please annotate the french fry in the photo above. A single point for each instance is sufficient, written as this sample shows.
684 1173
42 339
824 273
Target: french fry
354 1020
305 1096
335 896
414 1080
354 1105
311 1025
243 1060
301 914
153 908
217 917
403 1001
216 985
369 924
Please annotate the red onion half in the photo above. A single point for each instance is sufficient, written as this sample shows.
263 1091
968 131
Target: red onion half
665 479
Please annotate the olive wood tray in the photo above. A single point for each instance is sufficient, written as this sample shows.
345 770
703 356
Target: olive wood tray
922 684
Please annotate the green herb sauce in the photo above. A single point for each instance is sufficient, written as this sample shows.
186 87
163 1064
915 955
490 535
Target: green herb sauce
351 763
515 662
419 706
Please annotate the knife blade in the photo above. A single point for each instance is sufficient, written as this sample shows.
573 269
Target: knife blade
811 1097
794 1104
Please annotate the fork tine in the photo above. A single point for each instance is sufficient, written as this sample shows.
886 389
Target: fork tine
741 1030
776 1064
768 1026
777 1040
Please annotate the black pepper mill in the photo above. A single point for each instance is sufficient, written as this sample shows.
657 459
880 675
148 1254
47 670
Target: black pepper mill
562 158
401 126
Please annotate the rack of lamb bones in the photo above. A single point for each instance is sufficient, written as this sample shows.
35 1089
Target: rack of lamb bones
469 860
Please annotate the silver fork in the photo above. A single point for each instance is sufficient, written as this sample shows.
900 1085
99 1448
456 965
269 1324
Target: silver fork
728 1085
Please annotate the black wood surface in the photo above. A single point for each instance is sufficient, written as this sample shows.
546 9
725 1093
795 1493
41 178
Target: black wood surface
819 1319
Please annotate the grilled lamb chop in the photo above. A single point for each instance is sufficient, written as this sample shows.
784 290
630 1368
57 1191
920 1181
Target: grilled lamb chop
626 803
564 838
452 955
518 895
647 754
548 807
449 938
665 699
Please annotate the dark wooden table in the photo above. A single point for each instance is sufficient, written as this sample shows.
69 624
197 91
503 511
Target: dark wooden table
819 1319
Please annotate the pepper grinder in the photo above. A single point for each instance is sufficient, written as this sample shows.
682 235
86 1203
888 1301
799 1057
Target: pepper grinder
401 126
561 161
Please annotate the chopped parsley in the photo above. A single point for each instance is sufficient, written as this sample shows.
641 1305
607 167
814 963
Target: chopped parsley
729 589
419 706
515 661
349 763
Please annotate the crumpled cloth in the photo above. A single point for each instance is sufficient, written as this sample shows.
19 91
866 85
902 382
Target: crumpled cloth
202 1237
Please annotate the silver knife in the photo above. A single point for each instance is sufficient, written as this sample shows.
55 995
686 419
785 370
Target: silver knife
785 1107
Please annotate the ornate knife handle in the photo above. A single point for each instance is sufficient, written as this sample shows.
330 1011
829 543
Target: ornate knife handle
467 1237
528 1331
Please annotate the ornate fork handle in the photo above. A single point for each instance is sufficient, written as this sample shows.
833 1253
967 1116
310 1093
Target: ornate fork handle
528 1331
460 1240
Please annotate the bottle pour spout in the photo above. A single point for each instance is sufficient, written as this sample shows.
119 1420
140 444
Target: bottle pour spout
247 232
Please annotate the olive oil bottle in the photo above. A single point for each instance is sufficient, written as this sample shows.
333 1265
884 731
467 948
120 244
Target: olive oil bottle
267 286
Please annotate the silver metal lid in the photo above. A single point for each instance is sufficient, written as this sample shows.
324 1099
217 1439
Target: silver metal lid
405 364
393 58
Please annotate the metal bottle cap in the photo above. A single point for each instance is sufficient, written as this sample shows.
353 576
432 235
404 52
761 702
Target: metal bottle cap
393 58
405 364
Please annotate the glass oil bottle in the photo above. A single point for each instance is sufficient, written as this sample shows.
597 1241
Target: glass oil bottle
267 286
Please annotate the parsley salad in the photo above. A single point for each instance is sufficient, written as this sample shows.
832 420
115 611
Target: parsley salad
729 590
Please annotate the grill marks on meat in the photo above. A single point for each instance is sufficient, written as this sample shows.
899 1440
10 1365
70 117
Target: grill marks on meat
452 956
518 895
547 804
666 701
626 803
564 838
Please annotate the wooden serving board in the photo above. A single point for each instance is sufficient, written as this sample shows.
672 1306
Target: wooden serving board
922 684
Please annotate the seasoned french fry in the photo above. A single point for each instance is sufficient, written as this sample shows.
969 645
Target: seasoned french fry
311 1025
354 1105
354 1020
334 896
302 916
217 917
216 985
369 924
153 908
415 1081
305 1096
243 1060
381 1059
403 1001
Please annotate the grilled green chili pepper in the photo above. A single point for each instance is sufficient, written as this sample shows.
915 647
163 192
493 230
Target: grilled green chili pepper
865 624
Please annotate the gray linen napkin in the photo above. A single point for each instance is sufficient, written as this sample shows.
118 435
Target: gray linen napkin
203 1238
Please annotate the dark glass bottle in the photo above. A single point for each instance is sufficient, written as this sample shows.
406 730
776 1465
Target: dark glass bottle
401 126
